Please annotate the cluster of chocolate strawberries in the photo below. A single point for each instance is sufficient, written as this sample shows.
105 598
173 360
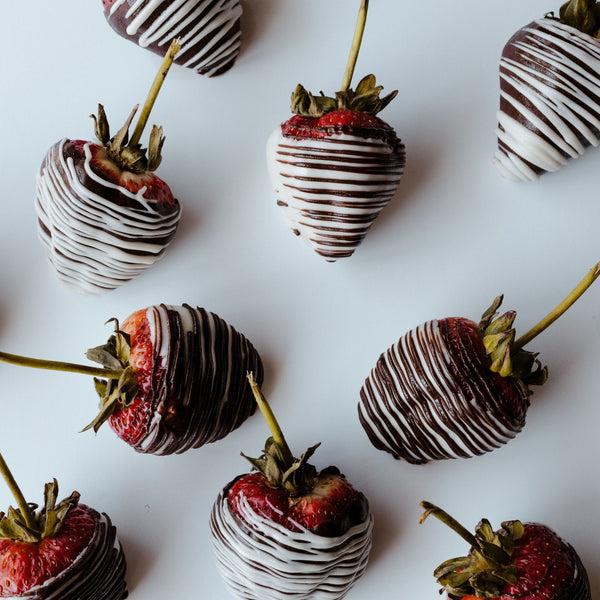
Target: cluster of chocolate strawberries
174 378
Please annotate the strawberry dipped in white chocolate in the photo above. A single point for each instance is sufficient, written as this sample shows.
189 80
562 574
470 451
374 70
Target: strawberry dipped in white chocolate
335 165
288 531
103 215
549 92
209 30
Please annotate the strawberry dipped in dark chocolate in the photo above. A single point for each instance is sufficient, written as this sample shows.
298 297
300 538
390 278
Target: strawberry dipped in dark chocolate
549 92
209 30
103 215
172 378
520 561
453 388
63 551
287 531
335 164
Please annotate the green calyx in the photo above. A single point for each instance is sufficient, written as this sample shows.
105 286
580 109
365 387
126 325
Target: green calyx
506 358
127 153
277 463
488 567
365 98
26 524
296 478
583 15
113 393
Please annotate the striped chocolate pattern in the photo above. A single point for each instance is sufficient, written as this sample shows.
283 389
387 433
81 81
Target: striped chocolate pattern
261 560
425 401
97 235
209 30
98 573
549 99
200 392
332 189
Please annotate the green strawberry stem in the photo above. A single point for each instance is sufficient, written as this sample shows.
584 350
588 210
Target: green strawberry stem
267 413
577 292
18 495
444 517
356 42
153 93
53 365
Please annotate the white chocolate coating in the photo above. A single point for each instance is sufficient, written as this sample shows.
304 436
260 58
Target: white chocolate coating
332 189
260 560
550 99
421 404
209 30
93 243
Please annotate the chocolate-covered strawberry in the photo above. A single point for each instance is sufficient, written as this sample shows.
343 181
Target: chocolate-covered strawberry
335 165
63 551
524 561
209 30
173 378
549 98
288 531
103 215
454 388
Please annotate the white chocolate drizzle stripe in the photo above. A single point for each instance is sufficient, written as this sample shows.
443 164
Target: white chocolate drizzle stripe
261 560
554 88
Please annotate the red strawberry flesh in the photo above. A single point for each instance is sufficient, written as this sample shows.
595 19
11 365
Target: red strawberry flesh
545 566
131 423
25 565
104 167
330 509
336 122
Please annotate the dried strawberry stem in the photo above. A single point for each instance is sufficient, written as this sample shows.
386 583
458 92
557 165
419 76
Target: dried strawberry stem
18 495
577 292
356 42
444 517
153 93
265 409
53 365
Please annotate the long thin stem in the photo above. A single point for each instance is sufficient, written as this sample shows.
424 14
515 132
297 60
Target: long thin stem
577 292
444 517
265 409
356 42
18 495
153 93
53 365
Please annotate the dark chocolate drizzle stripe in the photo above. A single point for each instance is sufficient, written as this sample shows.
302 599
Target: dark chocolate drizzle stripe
427 401
260 560
97 235
209 30
201 392
580 588
550 99
332 189
97 574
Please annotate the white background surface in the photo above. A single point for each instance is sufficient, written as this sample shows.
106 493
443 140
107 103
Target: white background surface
454 237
